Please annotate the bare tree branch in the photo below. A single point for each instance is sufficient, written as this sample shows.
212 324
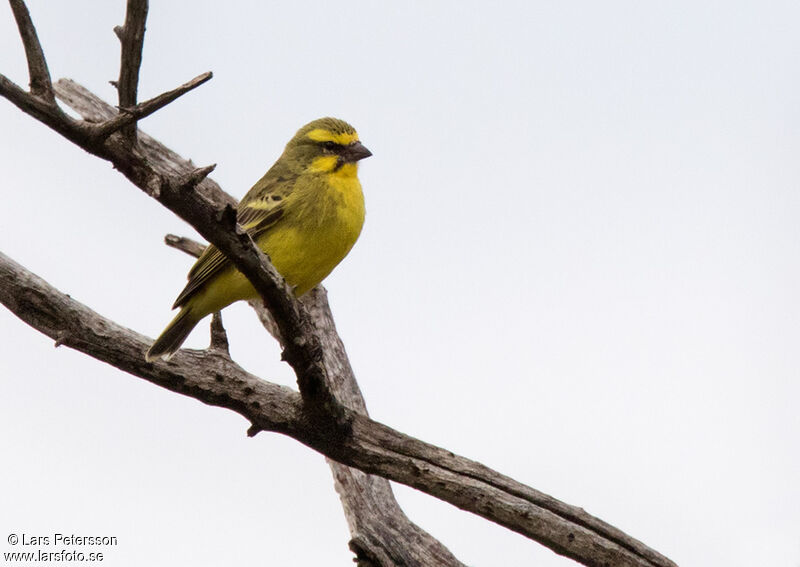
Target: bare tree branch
381 532
29 104
382 535
329 414
369 446
173 187
191 247
37 65
131 37
93 109
129 115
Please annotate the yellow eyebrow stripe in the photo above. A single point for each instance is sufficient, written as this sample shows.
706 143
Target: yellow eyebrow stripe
323 135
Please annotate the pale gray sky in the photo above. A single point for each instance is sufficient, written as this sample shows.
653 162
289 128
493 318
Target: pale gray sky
580 267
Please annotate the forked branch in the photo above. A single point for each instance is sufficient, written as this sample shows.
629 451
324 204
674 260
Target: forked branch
129 115
310 343
369 445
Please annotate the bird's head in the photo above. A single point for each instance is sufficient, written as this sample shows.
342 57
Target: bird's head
326 145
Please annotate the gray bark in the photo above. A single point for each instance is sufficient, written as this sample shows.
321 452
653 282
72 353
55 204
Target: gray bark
328 414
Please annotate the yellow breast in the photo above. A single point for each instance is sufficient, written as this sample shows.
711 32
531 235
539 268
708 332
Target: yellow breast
325 224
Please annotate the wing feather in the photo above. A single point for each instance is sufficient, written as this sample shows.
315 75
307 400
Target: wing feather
258 212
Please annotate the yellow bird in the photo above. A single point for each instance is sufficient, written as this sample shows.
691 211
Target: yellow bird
305 214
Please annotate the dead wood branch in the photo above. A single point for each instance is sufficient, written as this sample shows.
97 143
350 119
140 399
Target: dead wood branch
131 37
329 414
369 446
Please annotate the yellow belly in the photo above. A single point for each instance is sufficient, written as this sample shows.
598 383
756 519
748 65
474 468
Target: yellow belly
305 257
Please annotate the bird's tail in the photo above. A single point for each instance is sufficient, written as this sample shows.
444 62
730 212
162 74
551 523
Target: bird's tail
173 336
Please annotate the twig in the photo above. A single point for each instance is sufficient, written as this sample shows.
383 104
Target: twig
41 86
128 116
131 37
191 247
40 102
161 159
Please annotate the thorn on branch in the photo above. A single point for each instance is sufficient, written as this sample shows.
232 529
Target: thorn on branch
61 339
197 175
253 430
219 338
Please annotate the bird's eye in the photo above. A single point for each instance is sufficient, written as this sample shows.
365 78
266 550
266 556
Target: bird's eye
330 145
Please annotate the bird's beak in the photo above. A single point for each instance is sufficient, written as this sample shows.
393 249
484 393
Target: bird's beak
355 151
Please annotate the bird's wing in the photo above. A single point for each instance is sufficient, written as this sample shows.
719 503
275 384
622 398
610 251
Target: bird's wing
257 213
